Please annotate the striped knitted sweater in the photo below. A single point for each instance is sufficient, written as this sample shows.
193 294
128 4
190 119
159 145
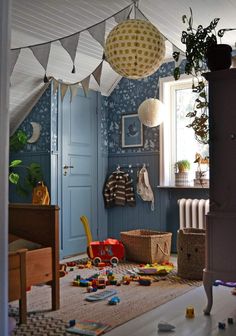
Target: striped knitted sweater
119 190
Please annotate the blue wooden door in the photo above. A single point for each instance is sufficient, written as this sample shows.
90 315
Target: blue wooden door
79 170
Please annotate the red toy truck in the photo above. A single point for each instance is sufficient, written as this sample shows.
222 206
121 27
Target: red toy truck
109 250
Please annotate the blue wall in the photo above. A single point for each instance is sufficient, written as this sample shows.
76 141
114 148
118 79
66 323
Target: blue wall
38 152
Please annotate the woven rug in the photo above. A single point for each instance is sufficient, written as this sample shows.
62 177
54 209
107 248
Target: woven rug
134 301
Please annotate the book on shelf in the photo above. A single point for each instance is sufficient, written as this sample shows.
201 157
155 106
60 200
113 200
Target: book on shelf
90 328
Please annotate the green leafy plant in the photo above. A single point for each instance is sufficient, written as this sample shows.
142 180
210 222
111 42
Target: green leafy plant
17 141
182 166
197 42
25 177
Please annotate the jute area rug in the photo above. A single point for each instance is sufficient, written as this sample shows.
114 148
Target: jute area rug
134 301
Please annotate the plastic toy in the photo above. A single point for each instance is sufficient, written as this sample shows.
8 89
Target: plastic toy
190 312
144 281
227 284
164 326
221 325
109 250
155 269
114 300
230 320
101 295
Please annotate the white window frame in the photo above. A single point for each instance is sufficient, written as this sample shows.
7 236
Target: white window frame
167 86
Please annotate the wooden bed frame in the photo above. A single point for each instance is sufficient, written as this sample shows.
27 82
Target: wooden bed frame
38 224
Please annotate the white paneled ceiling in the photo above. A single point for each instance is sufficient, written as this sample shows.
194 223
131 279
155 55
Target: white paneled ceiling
37 21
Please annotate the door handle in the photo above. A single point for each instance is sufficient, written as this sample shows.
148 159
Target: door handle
65 167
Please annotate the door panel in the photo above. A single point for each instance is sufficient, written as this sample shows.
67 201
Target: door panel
79 180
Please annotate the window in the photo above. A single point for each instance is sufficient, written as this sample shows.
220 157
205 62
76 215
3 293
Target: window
177 141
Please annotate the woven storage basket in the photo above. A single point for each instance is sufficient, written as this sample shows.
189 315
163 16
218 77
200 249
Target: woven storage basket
191 253
147 246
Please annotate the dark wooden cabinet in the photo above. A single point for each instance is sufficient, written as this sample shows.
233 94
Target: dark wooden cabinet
221 220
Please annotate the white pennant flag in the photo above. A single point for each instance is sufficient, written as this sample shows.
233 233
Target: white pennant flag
14 57
41 53
73 90
122 15
70 44
97 73
139 15
85 85
98 32
64 88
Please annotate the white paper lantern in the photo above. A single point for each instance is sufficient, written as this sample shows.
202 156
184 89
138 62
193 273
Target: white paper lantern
135 48
151 112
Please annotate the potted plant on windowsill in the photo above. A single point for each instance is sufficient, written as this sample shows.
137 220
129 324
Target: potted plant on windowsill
202 53
182 168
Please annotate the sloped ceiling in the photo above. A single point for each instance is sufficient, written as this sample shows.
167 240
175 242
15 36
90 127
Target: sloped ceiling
37 21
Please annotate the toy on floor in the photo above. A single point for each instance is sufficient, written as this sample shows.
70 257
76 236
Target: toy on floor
145 281
221 325
227 284
164 326
230 320
109 250
114 300
155 269
190 312
101 295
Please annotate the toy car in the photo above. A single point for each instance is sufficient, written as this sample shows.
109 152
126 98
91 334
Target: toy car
109 250
114 300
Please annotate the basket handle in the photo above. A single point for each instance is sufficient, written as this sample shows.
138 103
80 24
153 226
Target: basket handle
166 254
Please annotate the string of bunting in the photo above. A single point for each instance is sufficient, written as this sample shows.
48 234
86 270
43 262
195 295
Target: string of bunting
41 51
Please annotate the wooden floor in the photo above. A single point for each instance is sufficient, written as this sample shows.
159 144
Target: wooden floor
224 306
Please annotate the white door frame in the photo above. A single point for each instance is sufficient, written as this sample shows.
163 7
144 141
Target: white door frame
5 37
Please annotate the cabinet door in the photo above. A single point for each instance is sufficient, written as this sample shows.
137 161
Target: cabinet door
222 107
79 180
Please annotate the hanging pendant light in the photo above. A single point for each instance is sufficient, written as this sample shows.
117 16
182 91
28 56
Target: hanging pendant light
135 48
151 112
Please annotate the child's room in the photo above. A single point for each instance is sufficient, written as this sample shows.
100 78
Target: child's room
118 195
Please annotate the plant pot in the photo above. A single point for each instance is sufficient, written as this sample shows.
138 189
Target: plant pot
219 57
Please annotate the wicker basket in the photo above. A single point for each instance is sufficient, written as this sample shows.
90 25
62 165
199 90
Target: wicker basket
191 253
147 246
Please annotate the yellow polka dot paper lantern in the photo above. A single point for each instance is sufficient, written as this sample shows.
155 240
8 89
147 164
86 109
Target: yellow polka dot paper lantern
135 48
151 112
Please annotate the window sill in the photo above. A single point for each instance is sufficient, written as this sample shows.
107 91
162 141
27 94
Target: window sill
181 187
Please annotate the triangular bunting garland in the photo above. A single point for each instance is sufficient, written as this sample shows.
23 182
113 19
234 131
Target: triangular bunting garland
64 88
122 15
97 73
70 45
73 90
41 53
14 57
98 32
85 85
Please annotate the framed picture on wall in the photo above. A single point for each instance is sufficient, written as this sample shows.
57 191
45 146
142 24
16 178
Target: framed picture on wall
132 131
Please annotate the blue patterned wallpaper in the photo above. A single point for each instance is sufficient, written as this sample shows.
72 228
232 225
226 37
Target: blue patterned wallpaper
40 114
104 125
125 99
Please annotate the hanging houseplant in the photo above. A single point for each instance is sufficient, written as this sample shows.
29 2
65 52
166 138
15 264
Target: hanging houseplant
202 50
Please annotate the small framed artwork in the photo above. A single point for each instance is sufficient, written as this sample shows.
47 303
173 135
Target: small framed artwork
132 131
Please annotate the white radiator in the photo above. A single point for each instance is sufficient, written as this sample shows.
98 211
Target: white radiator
192 213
